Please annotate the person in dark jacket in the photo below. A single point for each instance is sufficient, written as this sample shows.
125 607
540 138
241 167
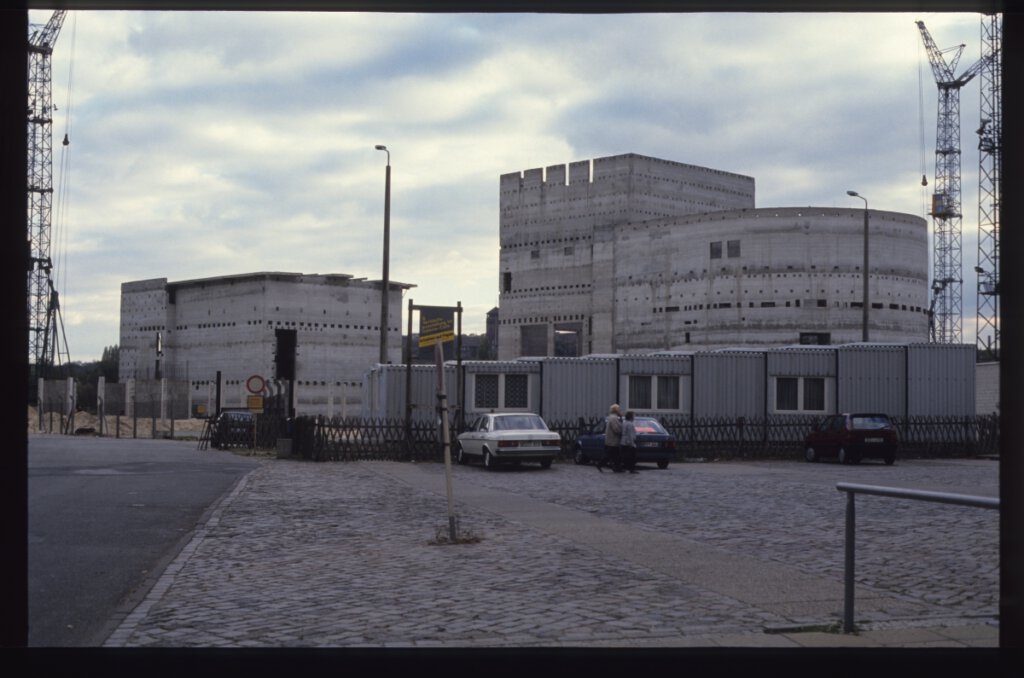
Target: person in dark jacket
627 447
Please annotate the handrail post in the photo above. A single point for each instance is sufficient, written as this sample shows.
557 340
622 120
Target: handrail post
850 553
851 489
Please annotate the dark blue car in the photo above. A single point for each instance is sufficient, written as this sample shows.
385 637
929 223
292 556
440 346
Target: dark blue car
653 443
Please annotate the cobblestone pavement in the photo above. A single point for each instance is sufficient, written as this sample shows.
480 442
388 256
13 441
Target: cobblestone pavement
352 555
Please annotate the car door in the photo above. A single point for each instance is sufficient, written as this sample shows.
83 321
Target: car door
596 441
836 433
821 437
472 440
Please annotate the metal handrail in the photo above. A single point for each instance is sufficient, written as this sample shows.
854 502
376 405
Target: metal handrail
852 489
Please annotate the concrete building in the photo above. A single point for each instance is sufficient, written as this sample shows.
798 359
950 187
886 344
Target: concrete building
321 332
636 254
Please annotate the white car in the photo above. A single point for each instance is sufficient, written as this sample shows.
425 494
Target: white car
508 437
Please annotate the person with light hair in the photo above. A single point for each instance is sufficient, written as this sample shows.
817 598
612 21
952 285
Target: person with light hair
612 440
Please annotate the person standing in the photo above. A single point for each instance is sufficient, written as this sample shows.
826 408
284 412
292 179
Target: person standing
612 439
627 448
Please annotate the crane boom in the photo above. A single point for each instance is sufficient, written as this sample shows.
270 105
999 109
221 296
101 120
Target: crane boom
43 39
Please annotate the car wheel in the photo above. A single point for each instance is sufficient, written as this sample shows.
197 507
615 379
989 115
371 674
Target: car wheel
545 463
890 458
810 455
460 455
844 456
663 464
579 457
488 460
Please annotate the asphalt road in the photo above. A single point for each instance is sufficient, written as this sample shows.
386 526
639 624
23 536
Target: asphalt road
105 516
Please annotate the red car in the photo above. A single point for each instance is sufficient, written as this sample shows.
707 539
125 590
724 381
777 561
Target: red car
852 437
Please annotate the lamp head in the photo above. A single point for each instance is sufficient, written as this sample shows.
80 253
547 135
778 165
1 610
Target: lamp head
381 147
853 193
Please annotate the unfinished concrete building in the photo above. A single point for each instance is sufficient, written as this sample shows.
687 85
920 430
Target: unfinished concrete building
320 332
630 253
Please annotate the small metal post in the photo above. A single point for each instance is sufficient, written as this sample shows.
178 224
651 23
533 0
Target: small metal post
848 578
442 398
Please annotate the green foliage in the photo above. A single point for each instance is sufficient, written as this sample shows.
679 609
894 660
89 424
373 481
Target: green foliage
87 375
109 362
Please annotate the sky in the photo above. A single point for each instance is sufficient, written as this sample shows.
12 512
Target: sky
219 143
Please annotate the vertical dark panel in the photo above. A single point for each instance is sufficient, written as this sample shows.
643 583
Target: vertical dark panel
284 355
14 150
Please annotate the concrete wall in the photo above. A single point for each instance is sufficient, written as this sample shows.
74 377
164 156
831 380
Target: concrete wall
143 317
653 255
230 325
558 237
987 387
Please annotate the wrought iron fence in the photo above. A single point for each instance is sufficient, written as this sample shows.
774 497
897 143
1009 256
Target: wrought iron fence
775 437
352 438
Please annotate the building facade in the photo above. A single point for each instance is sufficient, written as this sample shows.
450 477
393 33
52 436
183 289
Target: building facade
319 332
635 254
902 380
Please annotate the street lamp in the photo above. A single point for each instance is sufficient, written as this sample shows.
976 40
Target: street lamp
387 245
864 330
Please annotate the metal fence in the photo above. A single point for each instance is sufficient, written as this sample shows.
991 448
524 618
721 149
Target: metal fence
352 438
779 437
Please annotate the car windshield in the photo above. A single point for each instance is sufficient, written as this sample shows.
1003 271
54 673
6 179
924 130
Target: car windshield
649 426
519 422
870 421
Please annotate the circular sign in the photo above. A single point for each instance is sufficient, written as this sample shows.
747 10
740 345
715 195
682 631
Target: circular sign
255 384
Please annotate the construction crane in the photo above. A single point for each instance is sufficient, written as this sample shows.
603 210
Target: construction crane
947 304
990 162
47 345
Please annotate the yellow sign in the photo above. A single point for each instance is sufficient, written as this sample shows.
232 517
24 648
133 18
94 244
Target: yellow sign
254 403
437 325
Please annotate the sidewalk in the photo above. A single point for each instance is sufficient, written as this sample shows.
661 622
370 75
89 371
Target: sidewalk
351 555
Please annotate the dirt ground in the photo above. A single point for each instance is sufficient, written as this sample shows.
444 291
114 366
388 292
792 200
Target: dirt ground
89 424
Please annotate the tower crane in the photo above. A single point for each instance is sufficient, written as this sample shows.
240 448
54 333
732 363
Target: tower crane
44 321
947 305
990 162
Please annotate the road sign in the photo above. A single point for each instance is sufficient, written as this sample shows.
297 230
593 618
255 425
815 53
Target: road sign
255 384
437 324
254 403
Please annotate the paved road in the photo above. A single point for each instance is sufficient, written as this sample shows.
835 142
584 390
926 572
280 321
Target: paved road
105 517
700 554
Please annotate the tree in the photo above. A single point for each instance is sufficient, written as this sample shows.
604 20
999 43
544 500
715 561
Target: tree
110 362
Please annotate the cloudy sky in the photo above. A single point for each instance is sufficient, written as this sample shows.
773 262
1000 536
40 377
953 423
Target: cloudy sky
218 143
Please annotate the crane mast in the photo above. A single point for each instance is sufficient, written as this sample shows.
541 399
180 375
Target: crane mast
947 305
43 306
990 134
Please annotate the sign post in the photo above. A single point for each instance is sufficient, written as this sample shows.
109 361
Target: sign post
256 385
437 326
442 400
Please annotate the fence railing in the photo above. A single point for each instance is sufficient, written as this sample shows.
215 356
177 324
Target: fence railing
852 489
352 438
782 436
775 437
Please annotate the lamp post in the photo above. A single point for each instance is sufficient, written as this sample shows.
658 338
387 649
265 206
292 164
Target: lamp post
866 306
387 246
